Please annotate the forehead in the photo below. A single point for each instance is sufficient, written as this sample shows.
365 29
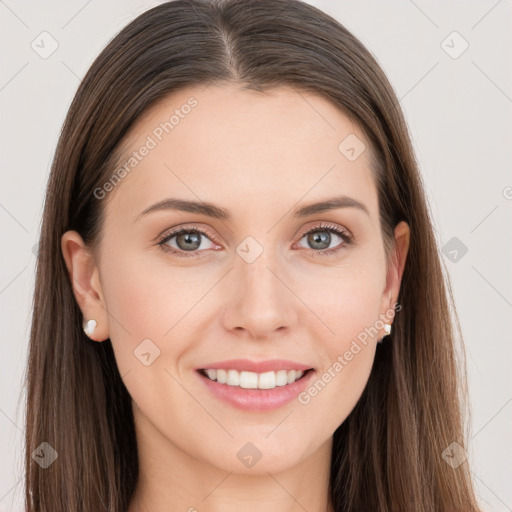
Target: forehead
228 145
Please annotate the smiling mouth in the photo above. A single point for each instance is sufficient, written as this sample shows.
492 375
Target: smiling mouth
253 380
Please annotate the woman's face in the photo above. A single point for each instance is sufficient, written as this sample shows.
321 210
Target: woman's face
262 278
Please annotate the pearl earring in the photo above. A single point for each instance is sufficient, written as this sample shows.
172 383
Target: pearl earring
387 328
89 327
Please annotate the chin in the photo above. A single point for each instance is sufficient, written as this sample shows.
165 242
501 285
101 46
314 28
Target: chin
256 455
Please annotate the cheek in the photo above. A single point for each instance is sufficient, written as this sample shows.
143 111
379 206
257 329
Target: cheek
147 307
346 300
337 388
347 361
142 304
147 296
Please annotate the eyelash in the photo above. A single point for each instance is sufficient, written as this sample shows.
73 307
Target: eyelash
347 240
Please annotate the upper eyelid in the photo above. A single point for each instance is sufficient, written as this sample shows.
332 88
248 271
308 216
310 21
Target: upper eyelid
175 231
324 225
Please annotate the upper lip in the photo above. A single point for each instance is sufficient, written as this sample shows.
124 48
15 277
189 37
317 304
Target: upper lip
255 366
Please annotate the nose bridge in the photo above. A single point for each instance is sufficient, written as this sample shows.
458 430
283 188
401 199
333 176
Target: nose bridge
256 267
263 303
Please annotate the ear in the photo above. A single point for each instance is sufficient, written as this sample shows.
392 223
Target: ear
395 268
84 278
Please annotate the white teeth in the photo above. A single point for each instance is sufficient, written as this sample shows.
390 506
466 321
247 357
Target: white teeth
252 380
233 378
281 378
222 376
248 380
267 380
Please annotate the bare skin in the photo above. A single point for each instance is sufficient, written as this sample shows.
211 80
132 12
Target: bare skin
260 156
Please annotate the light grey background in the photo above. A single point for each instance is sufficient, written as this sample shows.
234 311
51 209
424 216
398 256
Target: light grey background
459 114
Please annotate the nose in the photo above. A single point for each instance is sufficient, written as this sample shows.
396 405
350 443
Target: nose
261 302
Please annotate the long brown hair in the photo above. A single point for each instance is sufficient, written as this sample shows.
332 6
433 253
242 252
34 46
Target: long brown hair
388 454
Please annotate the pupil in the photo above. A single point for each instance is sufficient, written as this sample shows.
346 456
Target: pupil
188 238
320 237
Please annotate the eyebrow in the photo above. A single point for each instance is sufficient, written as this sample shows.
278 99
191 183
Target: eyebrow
217 212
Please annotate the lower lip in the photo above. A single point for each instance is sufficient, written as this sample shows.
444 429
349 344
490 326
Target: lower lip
257 399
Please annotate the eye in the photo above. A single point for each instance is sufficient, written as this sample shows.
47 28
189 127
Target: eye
320 237
187 240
